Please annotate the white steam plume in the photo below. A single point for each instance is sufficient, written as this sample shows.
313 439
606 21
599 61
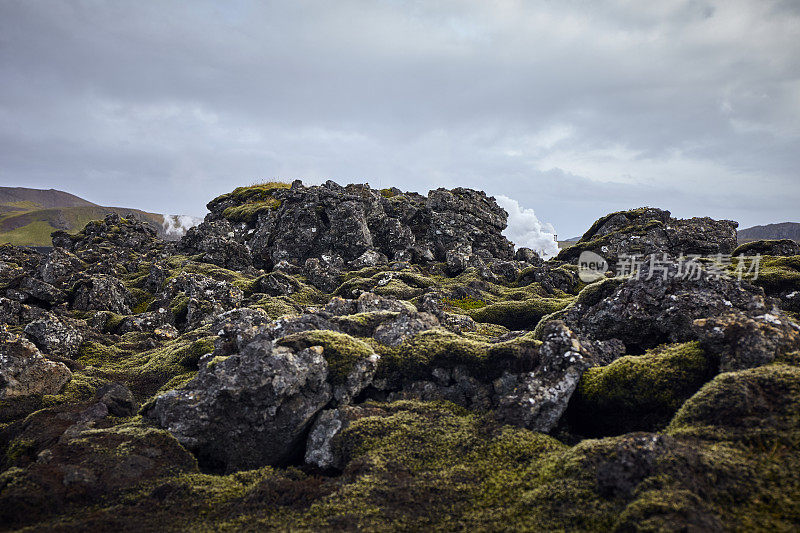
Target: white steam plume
176 226
525 229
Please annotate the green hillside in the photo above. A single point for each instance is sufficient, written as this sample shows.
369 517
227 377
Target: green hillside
29 216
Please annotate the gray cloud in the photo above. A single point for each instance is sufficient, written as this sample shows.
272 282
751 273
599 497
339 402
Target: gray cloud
572 108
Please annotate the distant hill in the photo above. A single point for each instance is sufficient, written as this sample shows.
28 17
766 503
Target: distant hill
29 216
23 198
784 230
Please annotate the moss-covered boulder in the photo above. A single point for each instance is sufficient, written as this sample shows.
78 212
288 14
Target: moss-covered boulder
85 464
639 393
775 247
758 407
523 314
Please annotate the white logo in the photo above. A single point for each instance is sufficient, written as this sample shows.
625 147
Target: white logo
591 266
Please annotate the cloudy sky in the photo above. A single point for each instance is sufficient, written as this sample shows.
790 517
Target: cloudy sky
573 108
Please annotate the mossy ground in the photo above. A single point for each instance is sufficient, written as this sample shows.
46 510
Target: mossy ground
638 393
776 274
145 371
434 466
720 454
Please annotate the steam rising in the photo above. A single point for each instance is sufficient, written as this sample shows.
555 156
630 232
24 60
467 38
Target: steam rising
175 226
525 229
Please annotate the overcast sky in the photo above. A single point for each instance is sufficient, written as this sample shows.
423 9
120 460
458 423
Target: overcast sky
573 108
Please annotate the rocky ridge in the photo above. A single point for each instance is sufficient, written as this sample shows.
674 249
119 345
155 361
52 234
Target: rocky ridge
328 357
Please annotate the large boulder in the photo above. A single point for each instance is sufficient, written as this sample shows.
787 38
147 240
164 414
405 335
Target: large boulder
537 399
740 341
214 242
193 300
646 231
24 371
254 407
645 311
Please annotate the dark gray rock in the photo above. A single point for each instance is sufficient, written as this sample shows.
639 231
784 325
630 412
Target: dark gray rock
55 335
249 409
59 266
193 300
740 341
647 231
643 313
355 224
41 291
118 399
537 400
102 293
214 241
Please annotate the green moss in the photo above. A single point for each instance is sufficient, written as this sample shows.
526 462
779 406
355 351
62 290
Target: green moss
363 324
257 192
776 274
341 351
404 284
454 469
20 448
439 348
146 371
467 303
179 306
250 201
523 314
278 306
249 211
434 466
759 247
637 393
81 387
754 406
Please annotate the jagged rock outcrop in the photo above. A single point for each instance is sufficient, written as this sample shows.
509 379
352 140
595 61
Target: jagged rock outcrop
647 231
125 233
54 335
332 225
253 408
102 293
652 310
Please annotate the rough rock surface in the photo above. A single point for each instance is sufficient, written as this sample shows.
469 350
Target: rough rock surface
333 225
249 409
54 335
538 399
24 371
647 231
741 341
104 293
651 310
